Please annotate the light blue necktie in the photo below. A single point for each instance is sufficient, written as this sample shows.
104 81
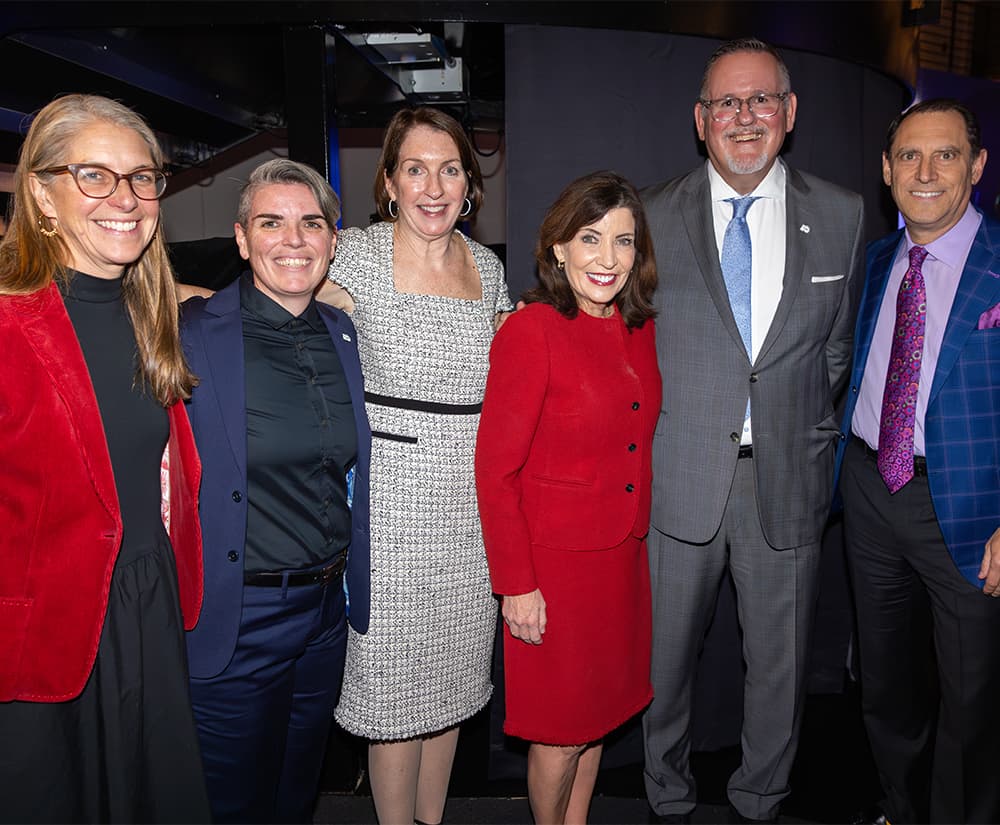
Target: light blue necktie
736 261
737 257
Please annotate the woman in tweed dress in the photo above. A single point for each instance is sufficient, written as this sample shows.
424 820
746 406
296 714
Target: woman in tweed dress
425 300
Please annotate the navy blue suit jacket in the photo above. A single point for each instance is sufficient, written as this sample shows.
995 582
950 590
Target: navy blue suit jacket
962 425
212 334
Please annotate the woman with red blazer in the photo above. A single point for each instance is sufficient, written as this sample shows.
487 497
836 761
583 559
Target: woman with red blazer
97 459
563 474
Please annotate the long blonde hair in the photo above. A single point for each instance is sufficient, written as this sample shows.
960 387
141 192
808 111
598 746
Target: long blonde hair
30 261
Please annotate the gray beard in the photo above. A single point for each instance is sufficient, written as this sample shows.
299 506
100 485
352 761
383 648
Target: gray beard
748 167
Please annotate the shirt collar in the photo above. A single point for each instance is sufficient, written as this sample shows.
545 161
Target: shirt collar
271 312
952 247
772 186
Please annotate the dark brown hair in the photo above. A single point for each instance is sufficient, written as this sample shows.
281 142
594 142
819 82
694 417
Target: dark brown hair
939 104
399 127
585 201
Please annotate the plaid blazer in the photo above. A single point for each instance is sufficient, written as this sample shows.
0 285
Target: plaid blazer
795 382
962 426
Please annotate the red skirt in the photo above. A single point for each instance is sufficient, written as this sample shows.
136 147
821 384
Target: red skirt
590 674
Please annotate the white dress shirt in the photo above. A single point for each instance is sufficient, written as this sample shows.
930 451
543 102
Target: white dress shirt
766 220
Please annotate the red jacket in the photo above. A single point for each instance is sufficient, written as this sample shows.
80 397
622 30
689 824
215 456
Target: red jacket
60 526
563 453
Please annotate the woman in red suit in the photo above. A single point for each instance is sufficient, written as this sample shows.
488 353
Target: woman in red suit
95 720
563 474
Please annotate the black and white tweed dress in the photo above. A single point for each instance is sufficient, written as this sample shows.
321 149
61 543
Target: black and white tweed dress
424 663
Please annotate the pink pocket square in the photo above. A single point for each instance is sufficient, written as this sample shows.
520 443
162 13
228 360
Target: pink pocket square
990 318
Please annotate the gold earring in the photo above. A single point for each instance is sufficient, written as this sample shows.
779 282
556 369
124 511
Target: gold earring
48 233
561 264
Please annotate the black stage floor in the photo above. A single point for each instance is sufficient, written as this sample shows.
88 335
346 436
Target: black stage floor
833 780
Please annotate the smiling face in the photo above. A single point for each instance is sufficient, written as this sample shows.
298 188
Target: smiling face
102 235
931 172
598 260
744 149
429 184
288 243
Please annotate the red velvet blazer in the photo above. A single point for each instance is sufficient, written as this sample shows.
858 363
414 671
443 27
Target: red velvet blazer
563 453
60 526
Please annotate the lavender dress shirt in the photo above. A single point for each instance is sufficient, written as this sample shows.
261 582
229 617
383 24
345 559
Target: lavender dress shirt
942 270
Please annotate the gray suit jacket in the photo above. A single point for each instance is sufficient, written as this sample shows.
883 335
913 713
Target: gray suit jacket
794 383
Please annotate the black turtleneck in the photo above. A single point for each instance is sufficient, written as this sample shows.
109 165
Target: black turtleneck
135 424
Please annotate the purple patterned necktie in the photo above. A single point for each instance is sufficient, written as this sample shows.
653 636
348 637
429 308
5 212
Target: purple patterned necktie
899 403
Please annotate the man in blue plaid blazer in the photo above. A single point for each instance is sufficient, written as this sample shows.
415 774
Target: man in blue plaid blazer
925 559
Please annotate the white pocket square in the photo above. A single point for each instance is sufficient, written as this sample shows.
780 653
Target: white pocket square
825 279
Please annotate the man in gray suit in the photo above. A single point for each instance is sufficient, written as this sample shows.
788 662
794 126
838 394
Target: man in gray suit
760 270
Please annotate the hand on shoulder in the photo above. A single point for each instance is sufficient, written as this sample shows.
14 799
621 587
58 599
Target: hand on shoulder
185 291
335 295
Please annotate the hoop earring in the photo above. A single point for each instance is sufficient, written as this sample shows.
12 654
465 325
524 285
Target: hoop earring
467 209
388 209
48 233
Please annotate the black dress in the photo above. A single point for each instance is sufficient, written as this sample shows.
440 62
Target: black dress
125 750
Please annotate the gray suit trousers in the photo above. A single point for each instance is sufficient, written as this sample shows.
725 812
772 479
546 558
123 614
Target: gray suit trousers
776 596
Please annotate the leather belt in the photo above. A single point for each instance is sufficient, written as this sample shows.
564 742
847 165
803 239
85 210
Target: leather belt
323 575
746 451
919 461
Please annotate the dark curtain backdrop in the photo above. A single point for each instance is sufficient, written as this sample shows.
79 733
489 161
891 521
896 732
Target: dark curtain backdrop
578 100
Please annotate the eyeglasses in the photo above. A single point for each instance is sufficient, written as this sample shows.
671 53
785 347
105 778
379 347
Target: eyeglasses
762 104
97 181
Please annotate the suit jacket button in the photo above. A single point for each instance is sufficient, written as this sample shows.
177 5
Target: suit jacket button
232 555
629 488
635 405
753 378
631 448
237 496
734 437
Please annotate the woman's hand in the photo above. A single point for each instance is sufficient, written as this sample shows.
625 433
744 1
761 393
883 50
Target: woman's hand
185 291
525 616
500 317
335 295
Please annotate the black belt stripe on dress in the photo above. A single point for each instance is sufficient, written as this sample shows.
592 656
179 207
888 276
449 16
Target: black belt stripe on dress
323 575
404 439
423 406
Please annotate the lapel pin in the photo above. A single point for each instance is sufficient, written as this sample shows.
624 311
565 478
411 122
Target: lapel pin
804 229
345 336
